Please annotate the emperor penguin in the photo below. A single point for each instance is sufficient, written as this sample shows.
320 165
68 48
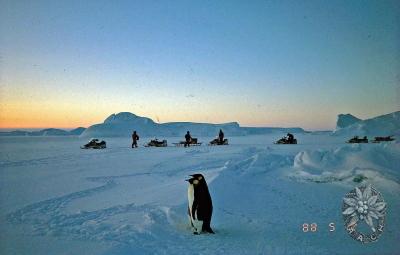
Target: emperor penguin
200 205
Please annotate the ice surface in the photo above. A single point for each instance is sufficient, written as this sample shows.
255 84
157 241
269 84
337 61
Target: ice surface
59 199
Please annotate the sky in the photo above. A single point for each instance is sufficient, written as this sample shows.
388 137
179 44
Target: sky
261 63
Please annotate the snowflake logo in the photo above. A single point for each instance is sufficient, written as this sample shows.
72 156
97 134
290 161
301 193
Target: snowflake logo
364 204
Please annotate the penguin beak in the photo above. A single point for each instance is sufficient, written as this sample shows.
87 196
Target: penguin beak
187 180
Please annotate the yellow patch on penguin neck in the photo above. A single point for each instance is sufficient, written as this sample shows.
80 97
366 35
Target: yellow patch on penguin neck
195 182
200 177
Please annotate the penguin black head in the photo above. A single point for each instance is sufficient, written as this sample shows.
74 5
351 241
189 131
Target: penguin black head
196 179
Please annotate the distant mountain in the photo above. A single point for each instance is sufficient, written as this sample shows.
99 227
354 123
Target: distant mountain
384 125
124 123
15 133
77 131
45 132
50 132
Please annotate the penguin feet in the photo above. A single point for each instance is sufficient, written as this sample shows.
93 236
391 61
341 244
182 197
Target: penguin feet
209 230
196 231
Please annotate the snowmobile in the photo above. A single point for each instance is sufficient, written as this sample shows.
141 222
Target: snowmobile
193 142
379 139
216 141
286 140
156 143
94 144
358 140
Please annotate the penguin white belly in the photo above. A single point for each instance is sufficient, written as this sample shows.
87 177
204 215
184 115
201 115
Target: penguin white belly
197 224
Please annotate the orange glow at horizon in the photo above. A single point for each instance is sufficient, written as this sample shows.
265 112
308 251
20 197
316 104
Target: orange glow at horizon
26 109
44 121
29 115
25 115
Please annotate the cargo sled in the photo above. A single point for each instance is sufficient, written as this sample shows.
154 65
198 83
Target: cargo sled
157 143
216 141
94 144
358 140
193 142
379 139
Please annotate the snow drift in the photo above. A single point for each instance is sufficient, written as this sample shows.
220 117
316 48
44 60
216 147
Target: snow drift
350 163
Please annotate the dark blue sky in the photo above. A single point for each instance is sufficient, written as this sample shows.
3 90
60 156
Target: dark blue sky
262 63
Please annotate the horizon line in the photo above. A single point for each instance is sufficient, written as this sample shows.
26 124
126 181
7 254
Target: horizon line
30 129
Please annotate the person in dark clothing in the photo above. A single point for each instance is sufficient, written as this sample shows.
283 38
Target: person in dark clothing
135 138
221 136
188 139
290 137
92 142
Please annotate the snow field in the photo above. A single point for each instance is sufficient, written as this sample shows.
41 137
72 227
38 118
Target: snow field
124 201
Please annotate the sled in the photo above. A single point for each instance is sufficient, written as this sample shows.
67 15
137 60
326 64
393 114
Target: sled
358 140
379 139
193 142
94 144
216 141
156 143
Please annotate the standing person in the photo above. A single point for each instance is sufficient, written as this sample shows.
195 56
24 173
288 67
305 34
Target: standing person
188 139
290 137
221 136
135 138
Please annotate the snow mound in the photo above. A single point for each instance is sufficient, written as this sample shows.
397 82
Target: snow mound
351 163
384 125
